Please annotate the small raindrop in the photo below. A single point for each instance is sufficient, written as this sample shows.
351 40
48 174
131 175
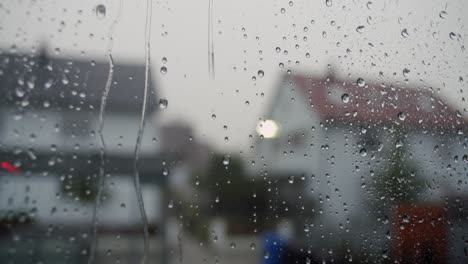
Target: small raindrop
101 11
253 246
266 255
406 72
402 116
260 73
345 98
453 36
171 204
163 103
443 14
360 82
363 152
360 29
328 3
163 70
291 179
404 33
226 160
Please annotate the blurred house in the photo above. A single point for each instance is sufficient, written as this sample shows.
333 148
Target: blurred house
342 134
49 112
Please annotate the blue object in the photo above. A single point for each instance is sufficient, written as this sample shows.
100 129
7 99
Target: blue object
273 246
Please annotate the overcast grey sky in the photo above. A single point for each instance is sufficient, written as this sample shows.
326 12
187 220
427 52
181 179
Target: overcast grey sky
246 33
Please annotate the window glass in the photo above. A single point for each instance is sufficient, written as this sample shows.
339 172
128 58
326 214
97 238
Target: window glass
267 131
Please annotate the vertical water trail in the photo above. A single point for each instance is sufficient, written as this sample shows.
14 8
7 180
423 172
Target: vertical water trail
102 150
211 57
141 128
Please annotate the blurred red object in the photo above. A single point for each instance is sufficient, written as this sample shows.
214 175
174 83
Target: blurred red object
420 234
10 168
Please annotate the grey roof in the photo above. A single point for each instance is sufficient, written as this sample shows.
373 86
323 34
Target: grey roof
71 83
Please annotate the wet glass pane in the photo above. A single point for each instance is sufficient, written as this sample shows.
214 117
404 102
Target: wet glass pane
233 131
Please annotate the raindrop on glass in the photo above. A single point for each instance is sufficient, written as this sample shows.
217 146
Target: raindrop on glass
406 72
101 11
404 33
363 152
253 246
402 116
360 29
163 103
443 14
226 160
453 36
345 98
360 82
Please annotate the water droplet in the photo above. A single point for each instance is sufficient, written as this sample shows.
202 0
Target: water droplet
233 245
226 160
171 204
291 179
253 246
328 3
345 98
360 29
398 144
363 152
402 116
19 92
406 72
404 33
163 70
163 103
443 14
101 11
360 82
164 60
266 255
453 36
261 73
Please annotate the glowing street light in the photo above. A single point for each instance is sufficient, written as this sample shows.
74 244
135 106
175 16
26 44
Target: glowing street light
267 128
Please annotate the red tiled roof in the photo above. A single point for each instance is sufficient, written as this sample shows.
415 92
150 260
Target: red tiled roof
378 103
